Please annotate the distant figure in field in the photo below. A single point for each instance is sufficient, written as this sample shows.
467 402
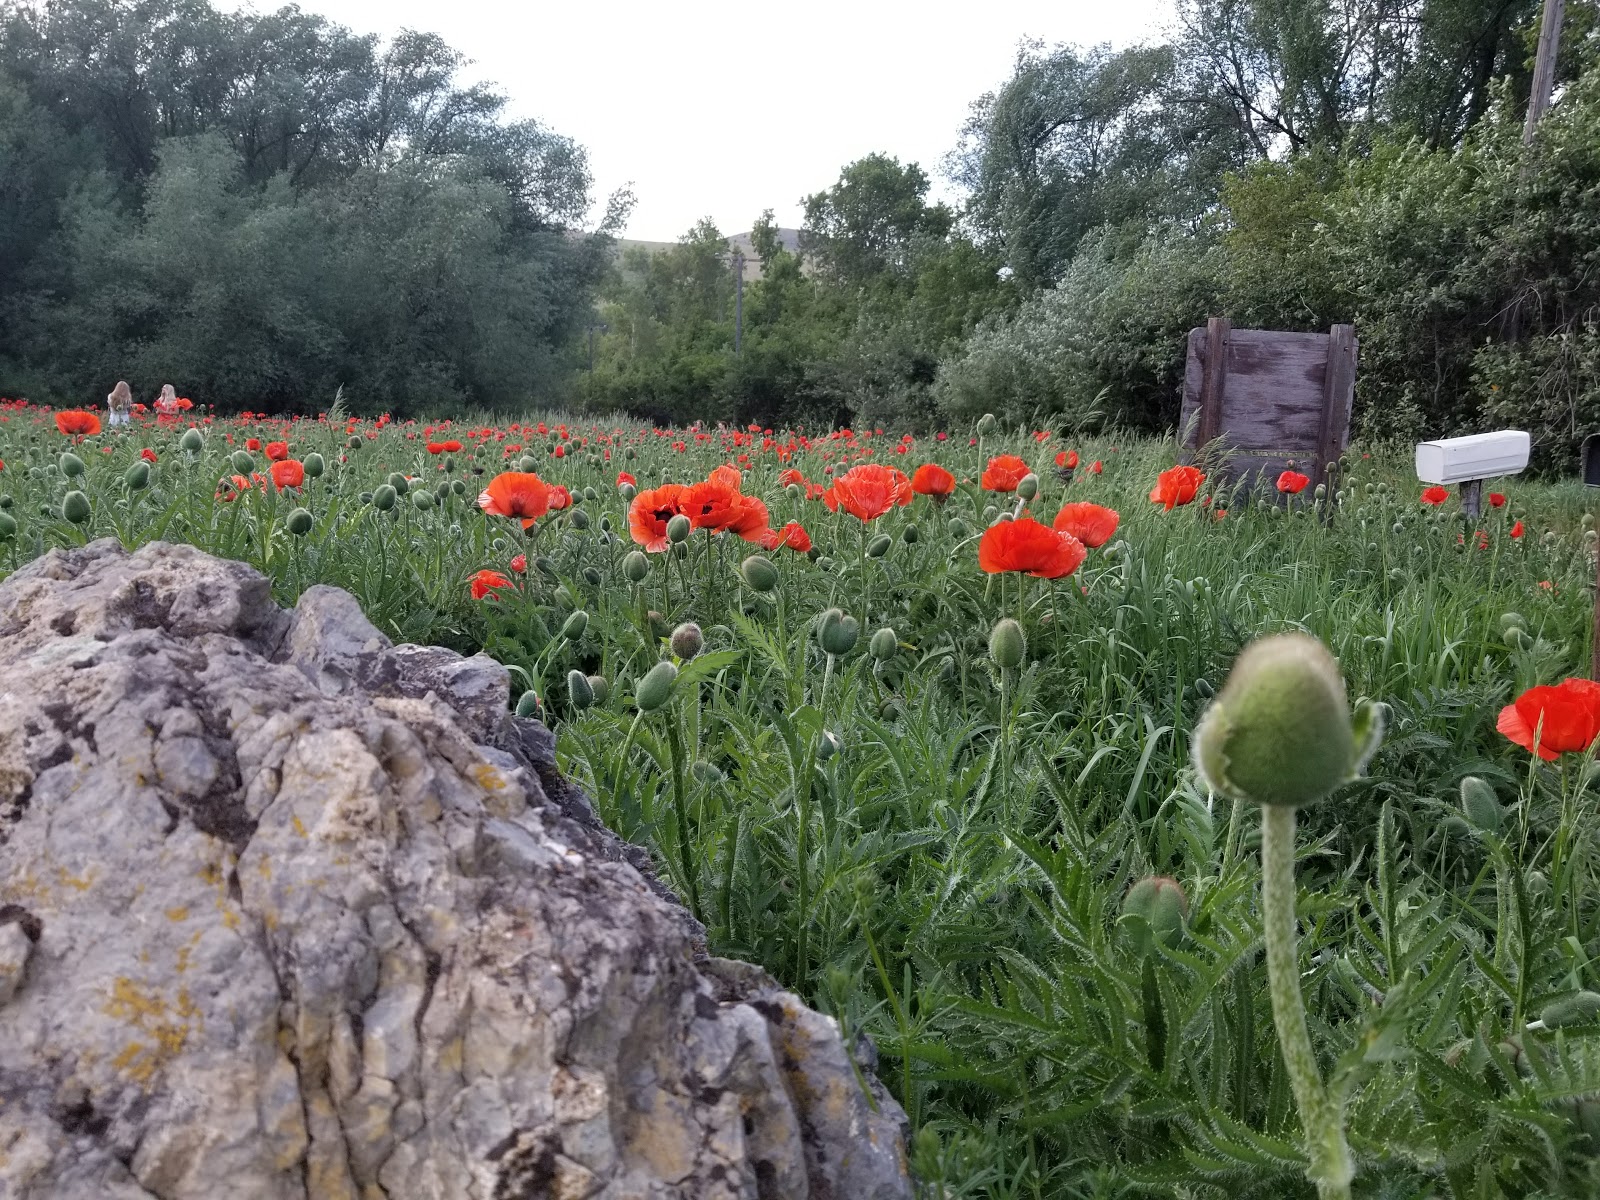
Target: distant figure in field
120 403
167 403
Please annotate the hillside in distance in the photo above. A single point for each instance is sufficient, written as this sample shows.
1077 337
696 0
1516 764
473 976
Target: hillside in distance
789 239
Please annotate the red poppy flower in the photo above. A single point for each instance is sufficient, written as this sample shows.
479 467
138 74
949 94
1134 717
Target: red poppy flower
1004 472
435 447
76 423
252 444
1292 483
277 451
1096 467
1091 524
519 563
1067 459
486 581
1497 500
930 479
1517 530
1025 545
148 455
868 491
287 474
1177 485
560 498
793 535
1435 495
623 477
1564 719
518 494
649 513
789 475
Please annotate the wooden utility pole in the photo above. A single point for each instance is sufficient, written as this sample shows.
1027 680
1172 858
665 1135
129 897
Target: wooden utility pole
738 298
1544 66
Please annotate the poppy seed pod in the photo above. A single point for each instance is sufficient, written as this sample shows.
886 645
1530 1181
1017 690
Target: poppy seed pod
422 500
528 705
1155 910
243 461
759 573
987 424
883 644
298 522
678 529
1480 805
838 632
656 687
192 441
635 566
384 497
71 465
687 640
600 688
8 527
315 465
75 507
1028 486
879 546
1006 644
137 477
572 629
399 482
578 689
1280 730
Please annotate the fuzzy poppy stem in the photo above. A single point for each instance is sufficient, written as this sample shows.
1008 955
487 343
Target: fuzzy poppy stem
1321 1116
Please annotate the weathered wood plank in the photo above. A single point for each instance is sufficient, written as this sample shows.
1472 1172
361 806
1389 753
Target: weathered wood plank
1338 395
1214 379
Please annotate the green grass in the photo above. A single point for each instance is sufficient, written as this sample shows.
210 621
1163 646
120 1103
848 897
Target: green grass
961 905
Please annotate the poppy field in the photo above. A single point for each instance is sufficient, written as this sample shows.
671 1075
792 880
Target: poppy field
913 723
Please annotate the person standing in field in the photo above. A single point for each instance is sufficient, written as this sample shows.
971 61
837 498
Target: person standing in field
120 403
167 403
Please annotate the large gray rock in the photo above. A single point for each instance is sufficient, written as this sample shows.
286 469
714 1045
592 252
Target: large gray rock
287 911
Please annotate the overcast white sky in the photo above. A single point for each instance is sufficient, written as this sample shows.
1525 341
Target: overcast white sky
722 109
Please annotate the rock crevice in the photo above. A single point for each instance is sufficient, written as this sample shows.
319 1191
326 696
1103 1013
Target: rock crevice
289 911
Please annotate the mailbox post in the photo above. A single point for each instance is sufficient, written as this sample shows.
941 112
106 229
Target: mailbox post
1468 461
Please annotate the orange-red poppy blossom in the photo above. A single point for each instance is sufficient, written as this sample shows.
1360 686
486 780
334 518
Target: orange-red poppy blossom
1517 530
521 495
1027 546
1563 719
486 581
76 423
287 473
1292 483
930 479
1091 524
649 513
868 491
1067 459
1434 495
793 535
1177 485
1497 499
277 451
1004 472
560 498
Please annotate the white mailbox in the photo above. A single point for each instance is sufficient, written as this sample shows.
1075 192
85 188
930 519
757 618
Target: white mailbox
1476 456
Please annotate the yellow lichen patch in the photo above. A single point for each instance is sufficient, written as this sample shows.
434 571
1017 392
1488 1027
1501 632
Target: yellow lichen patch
181 913
211 873
299 826
167 1025
80 883
488 777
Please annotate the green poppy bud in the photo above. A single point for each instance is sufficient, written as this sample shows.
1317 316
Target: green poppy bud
759 573
824 563
708 774
6 500
635 566
366 497
829 743
422 499
449 464
137 477
578 690
1512 620
298 522
71 465
399 483
1203 689
1576 1009
353 442
458 487
592 576
687 640
987 424
883 644
678 529
8 527
315 465
579 519
1028 486
795 492
1154 911
656 687
1280 731
628 492
573 627
1006 644
909 535
600 688
243 461
528 705
75 507
384 497
192 441
879 546
1480 805
527 463
659 628
957 527
837 632
990 512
